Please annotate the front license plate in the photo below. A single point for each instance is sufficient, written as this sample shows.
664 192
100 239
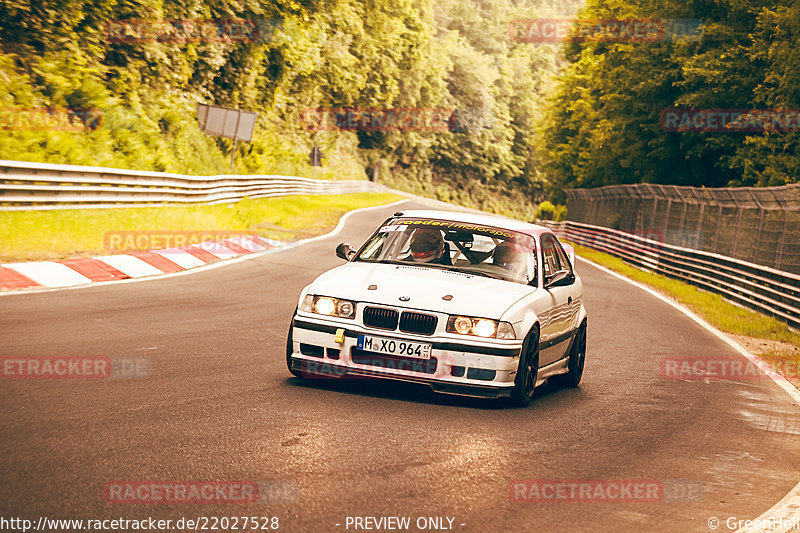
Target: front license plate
418 350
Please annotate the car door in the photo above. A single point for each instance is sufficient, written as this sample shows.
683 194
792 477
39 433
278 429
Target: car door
574 289
557 322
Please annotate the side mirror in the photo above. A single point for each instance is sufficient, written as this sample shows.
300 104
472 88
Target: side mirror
345 251
559 278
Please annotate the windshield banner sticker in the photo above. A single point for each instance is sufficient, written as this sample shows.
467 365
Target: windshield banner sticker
447 224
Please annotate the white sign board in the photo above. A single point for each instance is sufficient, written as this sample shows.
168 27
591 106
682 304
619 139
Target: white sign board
223 122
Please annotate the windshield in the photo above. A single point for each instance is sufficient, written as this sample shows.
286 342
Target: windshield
445 244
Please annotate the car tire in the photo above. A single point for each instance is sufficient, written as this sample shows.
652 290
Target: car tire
289 349
528 370
577 360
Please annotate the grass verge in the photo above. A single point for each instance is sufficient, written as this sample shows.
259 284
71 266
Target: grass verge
770 339
67 233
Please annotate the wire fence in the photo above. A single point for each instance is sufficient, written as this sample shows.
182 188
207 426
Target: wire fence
762 288
759 225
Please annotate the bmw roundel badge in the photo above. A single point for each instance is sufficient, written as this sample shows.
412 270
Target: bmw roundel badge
404 298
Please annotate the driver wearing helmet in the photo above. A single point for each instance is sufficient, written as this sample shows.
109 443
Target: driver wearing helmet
428 246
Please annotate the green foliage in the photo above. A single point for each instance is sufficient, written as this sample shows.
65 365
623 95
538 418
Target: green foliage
381 54
602 125
548 211
528 119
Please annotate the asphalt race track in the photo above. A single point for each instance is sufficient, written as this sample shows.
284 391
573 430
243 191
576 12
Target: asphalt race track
220 405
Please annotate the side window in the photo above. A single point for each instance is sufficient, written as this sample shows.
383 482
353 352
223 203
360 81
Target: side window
373 249
550 260
562 256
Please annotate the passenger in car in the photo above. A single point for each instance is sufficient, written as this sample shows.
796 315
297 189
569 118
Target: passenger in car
511 257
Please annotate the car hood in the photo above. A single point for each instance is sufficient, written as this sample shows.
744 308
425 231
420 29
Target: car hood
424 287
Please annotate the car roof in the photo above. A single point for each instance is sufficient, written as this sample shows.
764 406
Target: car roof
478 218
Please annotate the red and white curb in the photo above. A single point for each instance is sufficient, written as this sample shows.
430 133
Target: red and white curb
74 272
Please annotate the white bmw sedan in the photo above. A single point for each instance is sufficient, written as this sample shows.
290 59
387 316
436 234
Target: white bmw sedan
468 304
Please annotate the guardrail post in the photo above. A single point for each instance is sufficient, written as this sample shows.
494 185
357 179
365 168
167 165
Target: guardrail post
655 210
682 222
700 225
716 231
779 251
666 220
639 218
636 198
735 239
757 238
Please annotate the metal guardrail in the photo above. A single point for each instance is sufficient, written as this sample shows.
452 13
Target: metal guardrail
764 289
26 186
756 224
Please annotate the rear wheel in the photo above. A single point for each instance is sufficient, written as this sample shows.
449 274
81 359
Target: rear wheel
528 371
577 360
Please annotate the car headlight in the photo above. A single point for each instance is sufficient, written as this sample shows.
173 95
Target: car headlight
325 305
480 327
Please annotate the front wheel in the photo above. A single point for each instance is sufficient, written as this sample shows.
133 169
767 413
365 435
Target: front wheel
528 371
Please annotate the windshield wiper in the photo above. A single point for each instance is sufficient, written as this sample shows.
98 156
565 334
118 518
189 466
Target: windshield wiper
411 264
438 266
392 262
476 273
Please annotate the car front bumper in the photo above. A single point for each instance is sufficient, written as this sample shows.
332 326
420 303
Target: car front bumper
470 367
